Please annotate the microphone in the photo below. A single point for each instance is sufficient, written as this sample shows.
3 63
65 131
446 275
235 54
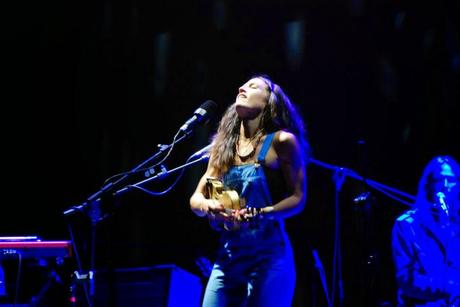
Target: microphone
441 198
203 152
205 111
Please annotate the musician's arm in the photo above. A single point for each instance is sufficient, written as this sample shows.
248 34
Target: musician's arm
198 202
198 197
292 164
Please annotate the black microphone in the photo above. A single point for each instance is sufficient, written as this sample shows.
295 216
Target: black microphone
205 111
203 152
441 198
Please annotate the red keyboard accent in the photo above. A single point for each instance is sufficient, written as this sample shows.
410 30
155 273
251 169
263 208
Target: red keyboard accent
35 249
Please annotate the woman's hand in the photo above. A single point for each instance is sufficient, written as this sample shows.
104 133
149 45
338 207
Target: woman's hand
248 214
213 208
219 216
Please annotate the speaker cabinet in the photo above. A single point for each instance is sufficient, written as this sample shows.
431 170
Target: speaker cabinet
162 286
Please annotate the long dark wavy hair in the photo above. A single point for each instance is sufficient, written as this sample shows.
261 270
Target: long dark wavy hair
279 114
425 194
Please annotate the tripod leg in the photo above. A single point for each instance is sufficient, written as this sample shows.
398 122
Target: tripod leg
40 298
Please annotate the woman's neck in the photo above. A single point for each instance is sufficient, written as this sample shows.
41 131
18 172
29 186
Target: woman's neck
249 128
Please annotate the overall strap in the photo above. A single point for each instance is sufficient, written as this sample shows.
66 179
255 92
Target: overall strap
265 148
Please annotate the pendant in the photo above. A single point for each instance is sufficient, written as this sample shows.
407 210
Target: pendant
246 152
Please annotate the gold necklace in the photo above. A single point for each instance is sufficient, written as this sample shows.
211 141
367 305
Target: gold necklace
247 151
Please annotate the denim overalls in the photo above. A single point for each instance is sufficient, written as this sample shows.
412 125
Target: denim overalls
254 265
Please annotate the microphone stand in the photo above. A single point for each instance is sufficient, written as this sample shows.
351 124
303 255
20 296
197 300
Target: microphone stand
339 176
92 206
322 275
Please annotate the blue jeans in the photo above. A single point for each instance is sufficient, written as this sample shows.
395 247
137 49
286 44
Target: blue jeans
252 276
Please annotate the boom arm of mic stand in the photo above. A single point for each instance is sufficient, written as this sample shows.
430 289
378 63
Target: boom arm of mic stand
96 196
354 175
162 175
138 184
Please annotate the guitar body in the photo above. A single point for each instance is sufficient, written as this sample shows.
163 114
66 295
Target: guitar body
228 198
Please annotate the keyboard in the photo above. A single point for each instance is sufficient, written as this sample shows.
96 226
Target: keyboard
35 249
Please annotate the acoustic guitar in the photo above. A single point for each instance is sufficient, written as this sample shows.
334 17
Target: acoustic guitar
228 198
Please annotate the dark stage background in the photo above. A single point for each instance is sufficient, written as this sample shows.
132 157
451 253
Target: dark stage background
92 87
